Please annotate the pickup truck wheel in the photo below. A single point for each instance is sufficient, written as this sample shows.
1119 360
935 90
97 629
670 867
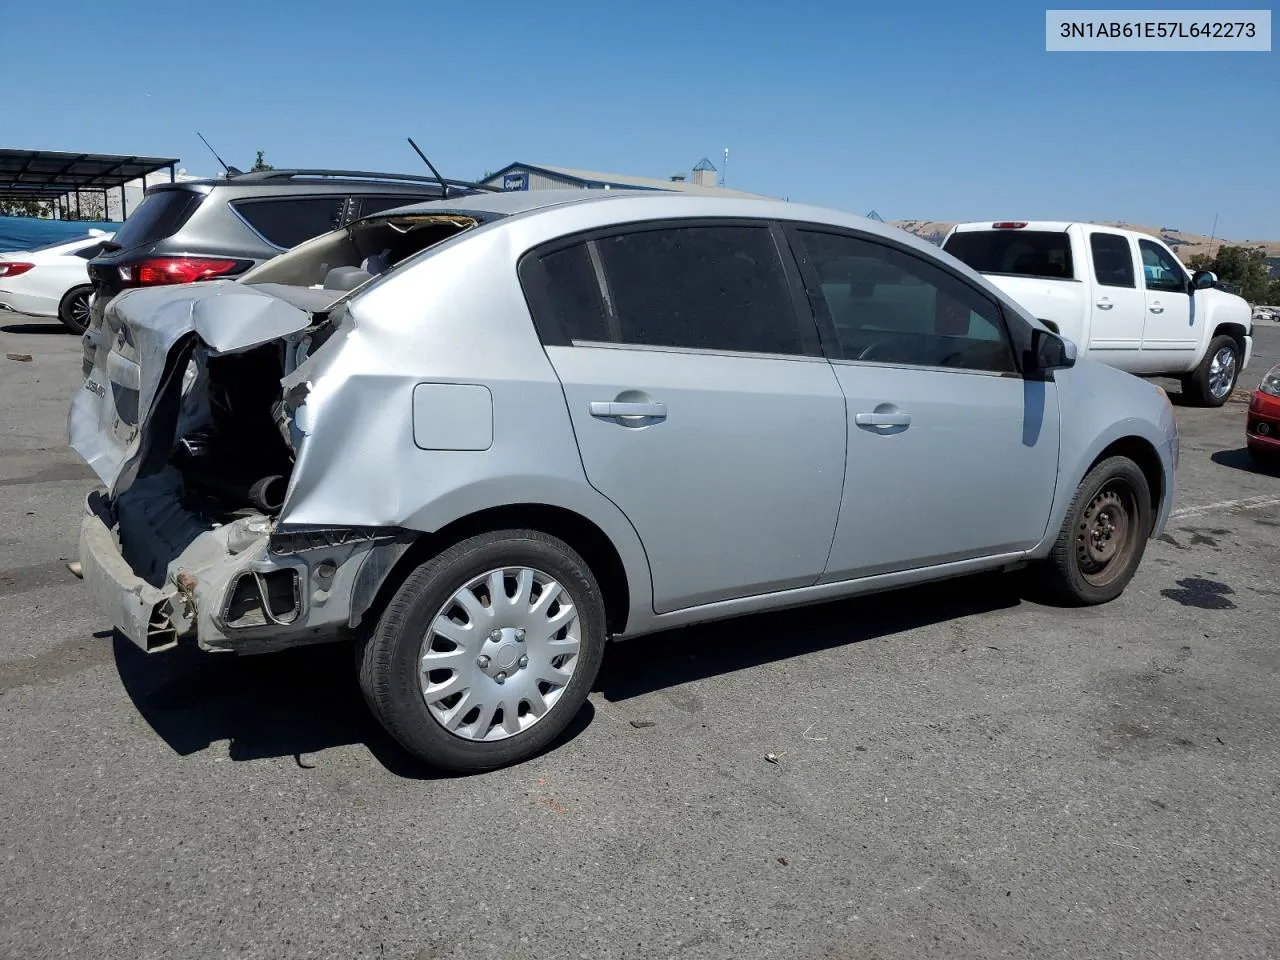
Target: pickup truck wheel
1103 537
487 651
73 311
1211 383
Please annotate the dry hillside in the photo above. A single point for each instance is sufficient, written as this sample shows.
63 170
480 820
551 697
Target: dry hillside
1185 245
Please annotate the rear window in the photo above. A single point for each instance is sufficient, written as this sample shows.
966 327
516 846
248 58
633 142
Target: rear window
161 214
289 221
1019 253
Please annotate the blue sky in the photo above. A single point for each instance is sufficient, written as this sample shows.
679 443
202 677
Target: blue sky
933 110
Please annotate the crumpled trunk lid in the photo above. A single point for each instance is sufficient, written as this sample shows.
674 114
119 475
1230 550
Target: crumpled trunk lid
146 341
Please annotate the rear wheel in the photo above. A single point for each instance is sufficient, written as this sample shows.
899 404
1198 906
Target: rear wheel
1103 536
73 311
487 651
1211 383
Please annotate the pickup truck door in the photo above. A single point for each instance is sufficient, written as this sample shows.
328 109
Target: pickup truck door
1171 324
1118 307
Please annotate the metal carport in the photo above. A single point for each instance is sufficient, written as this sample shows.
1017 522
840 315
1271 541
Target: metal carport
55 176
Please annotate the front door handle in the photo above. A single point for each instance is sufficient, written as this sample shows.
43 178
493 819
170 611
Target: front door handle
1156 308
618 410
1105 304
882 419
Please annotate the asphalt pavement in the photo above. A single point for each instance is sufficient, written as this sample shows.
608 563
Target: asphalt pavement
957 772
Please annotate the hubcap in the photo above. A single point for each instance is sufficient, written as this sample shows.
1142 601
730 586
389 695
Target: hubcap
1104 538
80 309
1222 372
499 654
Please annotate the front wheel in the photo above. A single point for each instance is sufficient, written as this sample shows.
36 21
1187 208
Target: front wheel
1211 383
73 311
1103 536
486 651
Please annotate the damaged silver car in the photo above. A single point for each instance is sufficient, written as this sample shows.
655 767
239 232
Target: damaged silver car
479 437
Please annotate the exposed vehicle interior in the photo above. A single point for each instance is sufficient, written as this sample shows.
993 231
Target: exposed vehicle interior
349 258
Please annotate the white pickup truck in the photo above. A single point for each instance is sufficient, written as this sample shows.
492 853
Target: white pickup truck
1122 297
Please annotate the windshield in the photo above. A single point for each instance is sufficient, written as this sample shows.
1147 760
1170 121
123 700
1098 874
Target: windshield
1019 253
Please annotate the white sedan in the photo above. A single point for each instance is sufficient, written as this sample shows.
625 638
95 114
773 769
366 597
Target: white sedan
53 280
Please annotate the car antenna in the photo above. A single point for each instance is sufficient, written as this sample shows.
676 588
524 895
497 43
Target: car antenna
436 173
231 171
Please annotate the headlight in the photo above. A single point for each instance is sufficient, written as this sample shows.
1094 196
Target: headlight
1271 382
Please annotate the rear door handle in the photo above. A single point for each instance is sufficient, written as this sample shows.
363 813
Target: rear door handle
1156 308
1105 304
882 419
614 410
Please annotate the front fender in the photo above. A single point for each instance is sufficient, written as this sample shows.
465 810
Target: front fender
1090 395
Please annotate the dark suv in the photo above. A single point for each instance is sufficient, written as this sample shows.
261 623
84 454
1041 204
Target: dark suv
199 229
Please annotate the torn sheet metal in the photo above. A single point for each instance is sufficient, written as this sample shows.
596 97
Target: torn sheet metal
141 345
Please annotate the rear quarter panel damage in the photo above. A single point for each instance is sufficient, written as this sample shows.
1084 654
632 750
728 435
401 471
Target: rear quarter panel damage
457 317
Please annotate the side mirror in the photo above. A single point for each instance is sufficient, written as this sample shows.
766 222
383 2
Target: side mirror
1204 280
1050 351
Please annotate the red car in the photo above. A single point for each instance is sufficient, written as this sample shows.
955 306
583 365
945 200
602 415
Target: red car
1262 430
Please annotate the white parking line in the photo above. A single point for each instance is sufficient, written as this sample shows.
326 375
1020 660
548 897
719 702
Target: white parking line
1247 503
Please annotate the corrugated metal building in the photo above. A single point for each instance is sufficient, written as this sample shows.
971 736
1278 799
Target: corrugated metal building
542 176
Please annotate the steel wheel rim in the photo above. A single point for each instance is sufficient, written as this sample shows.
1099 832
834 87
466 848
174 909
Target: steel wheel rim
80 309
1105 536
499 654
1222 372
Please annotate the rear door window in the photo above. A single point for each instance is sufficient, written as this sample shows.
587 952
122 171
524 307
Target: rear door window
1019 253
717 288
1112 259
161 214
288 221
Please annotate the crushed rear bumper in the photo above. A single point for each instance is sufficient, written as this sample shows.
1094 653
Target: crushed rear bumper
230 587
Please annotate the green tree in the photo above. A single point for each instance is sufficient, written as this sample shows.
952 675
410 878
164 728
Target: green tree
1246 267
260 162
23 208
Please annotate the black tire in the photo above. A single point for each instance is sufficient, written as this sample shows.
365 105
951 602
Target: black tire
389 655
1196 386
1075 572
73 311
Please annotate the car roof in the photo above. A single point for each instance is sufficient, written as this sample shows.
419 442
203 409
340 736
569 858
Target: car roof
656 205
1050 226
309 181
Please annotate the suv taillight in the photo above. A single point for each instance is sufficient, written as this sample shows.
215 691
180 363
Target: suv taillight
158 271
14 269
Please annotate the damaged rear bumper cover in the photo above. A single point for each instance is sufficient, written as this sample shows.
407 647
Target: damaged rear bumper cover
245 586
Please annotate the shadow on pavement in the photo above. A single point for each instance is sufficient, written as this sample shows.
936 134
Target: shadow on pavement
288 704
51 326
302 701
1240 459
648 664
